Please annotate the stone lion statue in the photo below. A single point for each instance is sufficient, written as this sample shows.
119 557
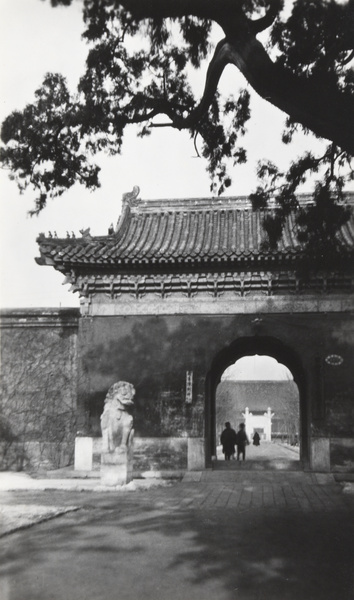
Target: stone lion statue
116 422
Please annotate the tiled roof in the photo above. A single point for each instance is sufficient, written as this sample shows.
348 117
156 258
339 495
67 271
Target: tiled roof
188 231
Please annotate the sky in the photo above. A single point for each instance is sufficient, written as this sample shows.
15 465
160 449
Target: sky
36 39
262 368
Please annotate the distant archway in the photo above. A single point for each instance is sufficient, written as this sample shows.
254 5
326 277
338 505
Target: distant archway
260 392
249 346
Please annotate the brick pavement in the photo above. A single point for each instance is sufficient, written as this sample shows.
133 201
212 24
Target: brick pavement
271 490
237 490
231 535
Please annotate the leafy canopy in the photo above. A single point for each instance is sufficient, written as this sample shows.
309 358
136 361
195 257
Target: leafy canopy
140 57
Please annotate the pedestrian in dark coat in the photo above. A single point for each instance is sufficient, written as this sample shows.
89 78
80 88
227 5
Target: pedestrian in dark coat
256 439
228 440
242 441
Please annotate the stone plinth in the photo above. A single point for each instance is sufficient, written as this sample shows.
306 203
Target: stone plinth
196 454
320 456
83 454
117 466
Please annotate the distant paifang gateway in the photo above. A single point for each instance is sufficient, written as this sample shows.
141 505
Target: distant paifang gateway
178 291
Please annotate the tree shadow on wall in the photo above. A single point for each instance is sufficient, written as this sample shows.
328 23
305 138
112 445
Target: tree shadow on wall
153 357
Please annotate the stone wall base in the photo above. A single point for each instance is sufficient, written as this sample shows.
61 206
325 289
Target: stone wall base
34 456
83 454
155 456
196 454
320 455
342 454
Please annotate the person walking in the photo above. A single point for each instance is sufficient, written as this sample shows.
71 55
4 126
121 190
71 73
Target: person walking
242 441
228 441
256 439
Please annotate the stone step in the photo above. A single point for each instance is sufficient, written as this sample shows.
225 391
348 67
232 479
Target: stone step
275 464
252 477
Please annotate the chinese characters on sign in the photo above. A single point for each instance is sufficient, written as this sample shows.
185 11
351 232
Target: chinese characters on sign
189 387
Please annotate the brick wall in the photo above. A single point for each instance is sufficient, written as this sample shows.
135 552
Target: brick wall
57 368
38 416
154 353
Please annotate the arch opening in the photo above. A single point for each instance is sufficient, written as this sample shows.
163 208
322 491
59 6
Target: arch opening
261 393
259 382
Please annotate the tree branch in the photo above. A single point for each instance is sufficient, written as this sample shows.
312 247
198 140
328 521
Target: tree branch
220 60
263 23
205 9
325 111
348 59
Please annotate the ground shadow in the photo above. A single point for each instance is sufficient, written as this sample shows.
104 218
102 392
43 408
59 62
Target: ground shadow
136 546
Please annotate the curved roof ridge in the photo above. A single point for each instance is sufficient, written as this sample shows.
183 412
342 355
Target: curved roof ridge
212 203
182 231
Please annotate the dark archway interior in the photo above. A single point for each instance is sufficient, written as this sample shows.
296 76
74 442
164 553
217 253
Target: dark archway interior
249 346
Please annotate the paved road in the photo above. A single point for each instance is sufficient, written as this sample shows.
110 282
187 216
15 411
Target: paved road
267 451
258 538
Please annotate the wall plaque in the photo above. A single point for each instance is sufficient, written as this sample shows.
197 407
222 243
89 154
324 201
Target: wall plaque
334 360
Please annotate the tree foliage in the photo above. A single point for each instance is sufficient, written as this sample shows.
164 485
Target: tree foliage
140 57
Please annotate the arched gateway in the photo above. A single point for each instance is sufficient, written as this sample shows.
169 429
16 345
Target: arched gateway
177 291
248 346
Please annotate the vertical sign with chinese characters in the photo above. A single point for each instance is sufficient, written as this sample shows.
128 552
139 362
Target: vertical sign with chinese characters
189 387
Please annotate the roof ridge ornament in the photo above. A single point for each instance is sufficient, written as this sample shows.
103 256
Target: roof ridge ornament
86 233
131 198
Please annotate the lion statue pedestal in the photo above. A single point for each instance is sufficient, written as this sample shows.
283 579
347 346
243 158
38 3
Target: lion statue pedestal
117 435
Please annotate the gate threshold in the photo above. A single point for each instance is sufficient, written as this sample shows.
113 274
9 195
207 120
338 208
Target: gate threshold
258 465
